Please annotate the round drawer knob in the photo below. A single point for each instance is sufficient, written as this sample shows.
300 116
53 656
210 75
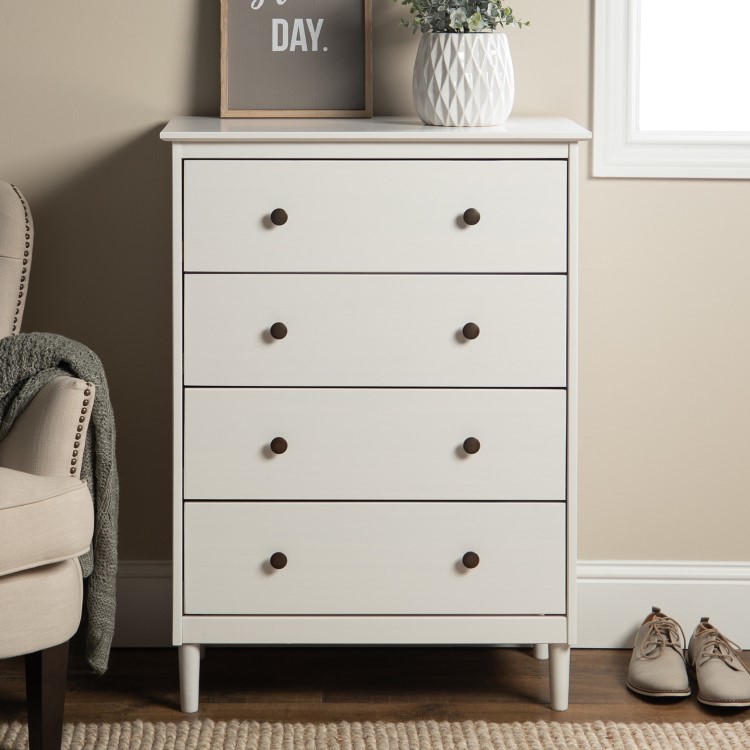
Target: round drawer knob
279 445
470 331
472 445
472 217
470 560
279 331
278 560
279 217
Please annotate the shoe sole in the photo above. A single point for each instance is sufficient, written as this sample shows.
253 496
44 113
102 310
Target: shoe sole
724 704
660 693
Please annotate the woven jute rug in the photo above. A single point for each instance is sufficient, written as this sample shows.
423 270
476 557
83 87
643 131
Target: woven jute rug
412 735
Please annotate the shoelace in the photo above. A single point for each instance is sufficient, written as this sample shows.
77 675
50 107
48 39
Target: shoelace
718 646
663 632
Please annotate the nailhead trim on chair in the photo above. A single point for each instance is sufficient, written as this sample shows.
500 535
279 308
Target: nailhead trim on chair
81 419
25 258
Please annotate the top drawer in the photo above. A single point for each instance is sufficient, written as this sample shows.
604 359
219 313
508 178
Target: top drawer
387 216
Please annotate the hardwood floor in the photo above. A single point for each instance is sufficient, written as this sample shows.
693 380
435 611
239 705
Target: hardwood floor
357 684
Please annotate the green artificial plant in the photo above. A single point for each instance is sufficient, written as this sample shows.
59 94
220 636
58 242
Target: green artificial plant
459 15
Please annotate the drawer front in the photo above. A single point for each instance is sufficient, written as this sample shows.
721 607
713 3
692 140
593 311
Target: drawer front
370 330
411 562
374 444
404 215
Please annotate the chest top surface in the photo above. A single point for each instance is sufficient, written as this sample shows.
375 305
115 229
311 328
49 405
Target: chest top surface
375 130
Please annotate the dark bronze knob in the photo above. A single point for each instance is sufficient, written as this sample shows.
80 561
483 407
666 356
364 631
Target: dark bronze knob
470 560
279 561
470 331
471 216
279 445
471 445
278 331
279 217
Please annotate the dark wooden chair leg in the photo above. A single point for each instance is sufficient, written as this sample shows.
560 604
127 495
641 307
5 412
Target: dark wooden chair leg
46 676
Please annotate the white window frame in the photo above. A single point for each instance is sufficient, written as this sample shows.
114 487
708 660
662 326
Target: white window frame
621 149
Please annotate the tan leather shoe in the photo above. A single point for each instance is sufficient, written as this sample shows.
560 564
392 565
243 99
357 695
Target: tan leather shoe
657 666
723 678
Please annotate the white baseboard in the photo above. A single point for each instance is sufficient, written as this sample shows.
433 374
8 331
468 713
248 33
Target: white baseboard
613 598
615 595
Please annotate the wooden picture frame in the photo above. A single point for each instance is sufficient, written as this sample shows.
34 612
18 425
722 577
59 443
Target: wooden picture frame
296 58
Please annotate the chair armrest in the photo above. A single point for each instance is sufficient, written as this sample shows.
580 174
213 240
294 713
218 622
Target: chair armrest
50 435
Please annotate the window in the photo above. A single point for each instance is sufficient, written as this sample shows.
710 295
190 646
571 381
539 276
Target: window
671 89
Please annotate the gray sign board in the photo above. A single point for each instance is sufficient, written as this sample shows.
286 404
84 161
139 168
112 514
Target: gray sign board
296 58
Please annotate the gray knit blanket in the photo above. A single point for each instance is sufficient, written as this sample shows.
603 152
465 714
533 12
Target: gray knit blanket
28 362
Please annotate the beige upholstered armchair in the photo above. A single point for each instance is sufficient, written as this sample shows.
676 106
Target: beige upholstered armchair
46 512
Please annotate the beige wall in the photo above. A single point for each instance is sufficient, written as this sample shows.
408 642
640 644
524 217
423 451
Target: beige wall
665 350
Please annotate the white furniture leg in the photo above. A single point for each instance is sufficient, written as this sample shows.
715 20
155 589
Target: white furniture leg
559 675
190 671
203 652
541 651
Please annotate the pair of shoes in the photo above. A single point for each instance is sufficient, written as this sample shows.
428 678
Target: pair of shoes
658 669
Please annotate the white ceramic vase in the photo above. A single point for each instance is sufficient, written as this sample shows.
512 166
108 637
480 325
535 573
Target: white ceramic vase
463 79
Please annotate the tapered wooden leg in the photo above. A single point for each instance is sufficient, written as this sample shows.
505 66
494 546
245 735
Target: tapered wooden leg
559 675
541 651
46 676
190 673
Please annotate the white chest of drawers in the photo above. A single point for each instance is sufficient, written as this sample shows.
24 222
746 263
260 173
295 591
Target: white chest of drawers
375 329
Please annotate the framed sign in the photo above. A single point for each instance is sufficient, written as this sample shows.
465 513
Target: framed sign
296 58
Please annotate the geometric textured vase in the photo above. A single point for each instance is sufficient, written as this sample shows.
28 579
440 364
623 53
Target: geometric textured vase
463 78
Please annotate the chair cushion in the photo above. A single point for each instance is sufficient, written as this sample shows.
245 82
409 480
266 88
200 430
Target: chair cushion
42 520
39 608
